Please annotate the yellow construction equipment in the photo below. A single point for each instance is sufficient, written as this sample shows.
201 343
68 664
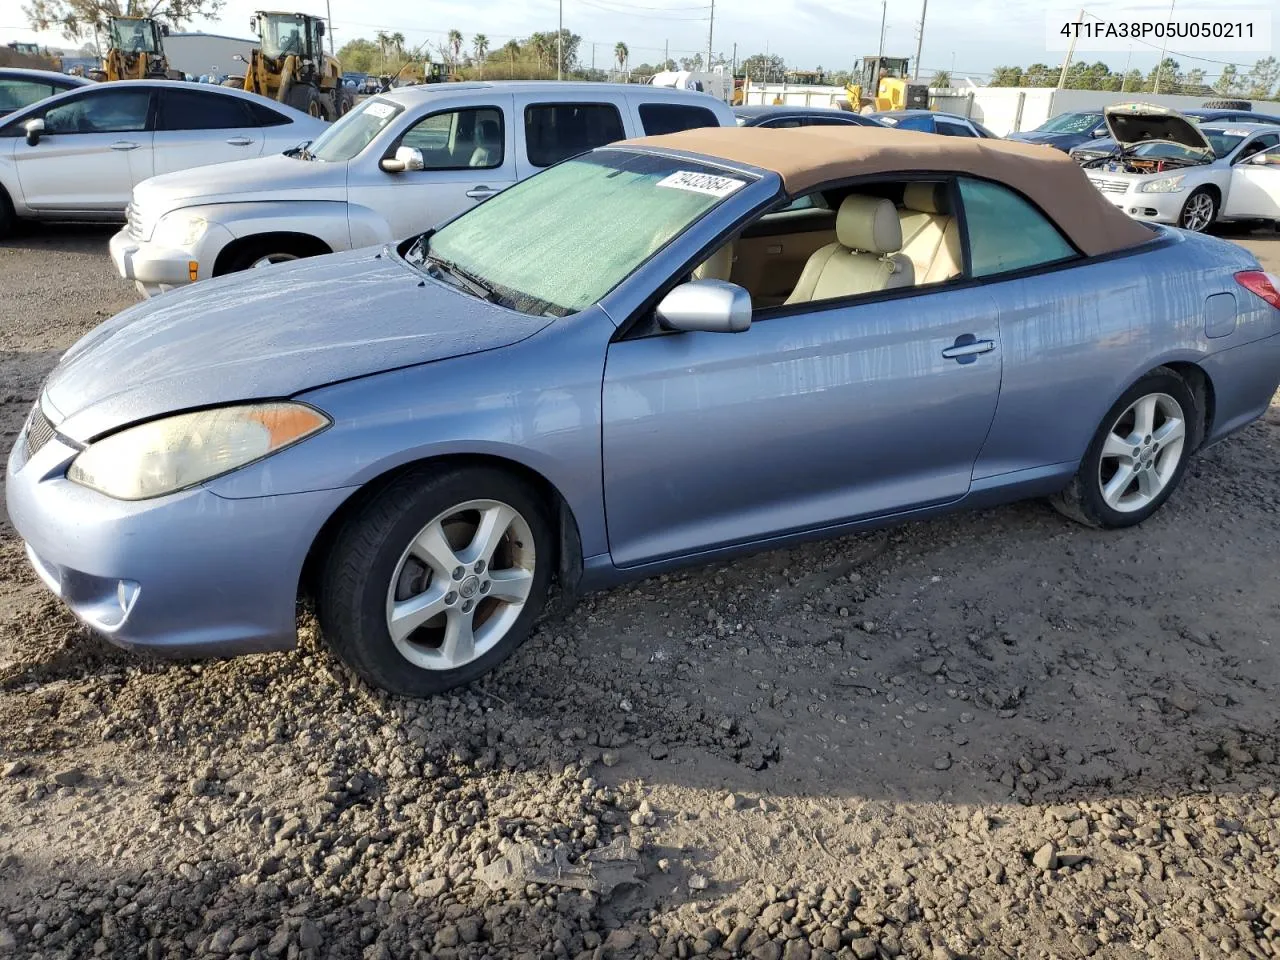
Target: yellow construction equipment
290 65
882 84
135 51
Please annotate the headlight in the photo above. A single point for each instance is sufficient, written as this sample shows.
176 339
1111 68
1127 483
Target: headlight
166 455
179 230
1163 185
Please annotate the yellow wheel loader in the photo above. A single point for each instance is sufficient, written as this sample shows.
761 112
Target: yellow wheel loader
882 84
135 51
290 65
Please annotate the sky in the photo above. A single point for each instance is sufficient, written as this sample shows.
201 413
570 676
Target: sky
967 36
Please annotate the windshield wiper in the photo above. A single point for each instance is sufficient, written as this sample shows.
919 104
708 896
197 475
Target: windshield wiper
467 279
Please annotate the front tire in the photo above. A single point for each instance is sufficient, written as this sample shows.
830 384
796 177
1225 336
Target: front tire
1199 212
1136 459
436 579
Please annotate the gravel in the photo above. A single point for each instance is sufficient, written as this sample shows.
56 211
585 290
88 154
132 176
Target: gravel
996 735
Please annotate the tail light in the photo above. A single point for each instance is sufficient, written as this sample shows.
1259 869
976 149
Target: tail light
1263 284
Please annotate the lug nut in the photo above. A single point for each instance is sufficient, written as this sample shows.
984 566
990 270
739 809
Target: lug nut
484 587
459 573
450 597
479 567
466 606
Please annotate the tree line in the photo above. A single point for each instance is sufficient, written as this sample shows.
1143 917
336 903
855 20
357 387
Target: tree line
1260 82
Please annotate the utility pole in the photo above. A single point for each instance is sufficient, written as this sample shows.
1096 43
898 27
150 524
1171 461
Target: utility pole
665 56
884 12
328 16
734 66
924 8
711 29
1071 48
1163 48
593 59
560 45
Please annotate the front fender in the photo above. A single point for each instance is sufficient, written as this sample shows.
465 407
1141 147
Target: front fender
326 220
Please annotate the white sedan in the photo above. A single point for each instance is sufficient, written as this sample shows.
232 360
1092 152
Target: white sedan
78 155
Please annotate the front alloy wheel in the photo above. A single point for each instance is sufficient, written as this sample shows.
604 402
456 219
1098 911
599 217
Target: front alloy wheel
436 578
1198 212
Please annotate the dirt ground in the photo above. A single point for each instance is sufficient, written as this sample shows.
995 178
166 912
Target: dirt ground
997 735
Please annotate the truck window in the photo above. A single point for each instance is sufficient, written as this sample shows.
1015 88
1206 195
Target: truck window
659 118
556 131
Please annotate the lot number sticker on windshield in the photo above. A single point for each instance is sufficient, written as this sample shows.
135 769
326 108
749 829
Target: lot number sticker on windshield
701 183
381 110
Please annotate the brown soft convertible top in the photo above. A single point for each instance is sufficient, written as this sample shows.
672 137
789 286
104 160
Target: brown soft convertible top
805 157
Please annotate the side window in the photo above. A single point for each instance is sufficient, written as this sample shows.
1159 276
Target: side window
265 116
101 111
921 123
1006 232
659 118
1270 158
949 128
556 131
832 122
16 94
1257 145
781 122
192 110
459 139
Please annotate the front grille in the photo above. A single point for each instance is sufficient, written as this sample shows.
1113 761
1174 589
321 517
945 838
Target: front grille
39 432
135 221
1112 186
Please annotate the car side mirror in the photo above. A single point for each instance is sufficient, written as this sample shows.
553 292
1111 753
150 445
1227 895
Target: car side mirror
320 29
164 29
406 158
712 306
34 128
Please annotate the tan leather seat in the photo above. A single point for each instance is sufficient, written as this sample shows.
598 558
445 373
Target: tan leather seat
864 258
718 266
930 234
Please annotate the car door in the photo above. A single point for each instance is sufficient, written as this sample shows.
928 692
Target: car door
819 413
198 127
95 147
468 155
552 129
1255 187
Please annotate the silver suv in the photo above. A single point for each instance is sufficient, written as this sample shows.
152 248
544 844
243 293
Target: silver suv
399 163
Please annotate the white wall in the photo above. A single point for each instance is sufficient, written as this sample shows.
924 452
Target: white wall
200 53
1003 110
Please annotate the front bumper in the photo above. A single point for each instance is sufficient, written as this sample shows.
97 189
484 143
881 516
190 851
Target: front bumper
1152 207
155 268
189 574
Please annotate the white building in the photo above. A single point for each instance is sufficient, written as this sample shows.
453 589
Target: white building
198 54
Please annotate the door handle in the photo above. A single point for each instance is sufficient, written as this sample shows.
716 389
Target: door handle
481 193
967 348
125 145
239 141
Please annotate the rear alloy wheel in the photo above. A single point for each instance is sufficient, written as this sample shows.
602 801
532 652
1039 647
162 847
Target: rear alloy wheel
1200 210
1138 455
436 579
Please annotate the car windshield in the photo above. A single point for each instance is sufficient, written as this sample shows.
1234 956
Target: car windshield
351 134
1070 123
132 36
283 34
1222 143
559 241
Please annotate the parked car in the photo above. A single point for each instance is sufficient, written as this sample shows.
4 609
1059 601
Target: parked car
931 121
397 164
1066 130
1169 170
587 379
20 88
79 154
1104 146
784 116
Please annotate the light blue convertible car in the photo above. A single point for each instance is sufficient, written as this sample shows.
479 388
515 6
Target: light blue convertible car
657 353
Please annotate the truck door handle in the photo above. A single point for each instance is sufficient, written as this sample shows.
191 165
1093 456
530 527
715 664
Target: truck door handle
125 145
481 193
239 141
967 348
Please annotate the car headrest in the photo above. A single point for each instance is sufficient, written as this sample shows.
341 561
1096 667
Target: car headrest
869 224
487 131
927 198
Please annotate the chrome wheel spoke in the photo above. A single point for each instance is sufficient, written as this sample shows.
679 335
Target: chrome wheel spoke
459 645
493 526
1148 484
510 586
407 616
1171 430
1144 417
1118 484
432 547
1118 446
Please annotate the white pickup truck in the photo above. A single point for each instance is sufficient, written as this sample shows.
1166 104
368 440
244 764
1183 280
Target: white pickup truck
399 163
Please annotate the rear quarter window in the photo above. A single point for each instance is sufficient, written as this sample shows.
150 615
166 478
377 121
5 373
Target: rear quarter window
660 118
1006 232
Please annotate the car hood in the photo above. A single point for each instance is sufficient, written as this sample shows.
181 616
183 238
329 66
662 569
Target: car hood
1134 123
273 332
242 181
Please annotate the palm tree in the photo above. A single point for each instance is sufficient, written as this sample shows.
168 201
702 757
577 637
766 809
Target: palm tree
512 48
383 38
480 43
455 43
620 53
397 41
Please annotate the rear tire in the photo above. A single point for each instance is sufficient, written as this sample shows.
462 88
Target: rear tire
436 579
1115 487
1200 211
1227 105
7 217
